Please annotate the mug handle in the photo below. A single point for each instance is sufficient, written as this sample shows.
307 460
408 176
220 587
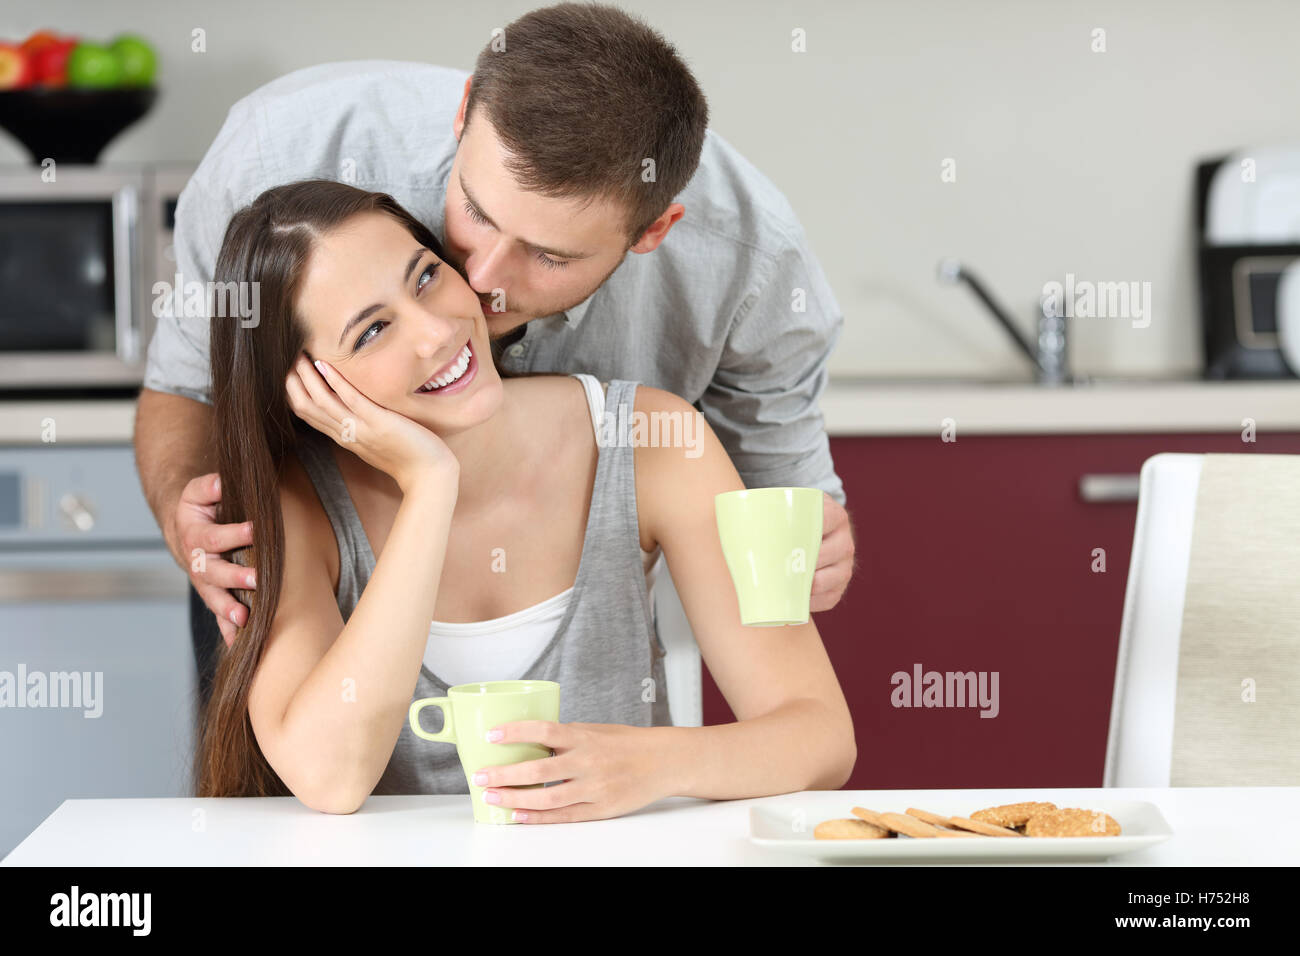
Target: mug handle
448 732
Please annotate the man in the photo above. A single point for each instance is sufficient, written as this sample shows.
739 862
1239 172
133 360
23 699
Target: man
580 137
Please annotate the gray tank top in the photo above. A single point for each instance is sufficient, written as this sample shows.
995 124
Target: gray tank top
605 655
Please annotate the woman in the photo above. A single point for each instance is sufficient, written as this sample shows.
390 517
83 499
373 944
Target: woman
404 483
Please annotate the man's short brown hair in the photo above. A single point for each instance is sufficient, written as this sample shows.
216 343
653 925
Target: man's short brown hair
582 95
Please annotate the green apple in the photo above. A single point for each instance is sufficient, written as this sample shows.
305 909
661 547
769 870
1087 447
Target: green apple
93 66
137 59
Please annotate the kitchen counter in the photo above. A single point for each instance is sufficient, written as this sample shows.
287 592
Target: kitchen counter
874 407
878 407
1211 826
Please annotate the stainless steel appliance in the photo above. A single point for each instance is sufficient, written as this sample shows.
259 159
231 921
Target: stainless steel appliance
79 253
97 678
166 180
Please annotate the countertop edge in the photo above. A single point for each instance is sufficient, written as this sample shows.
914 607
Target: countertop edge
862 409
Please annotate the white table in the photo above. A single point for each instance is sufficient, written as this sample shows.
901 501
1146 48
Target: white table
1212 826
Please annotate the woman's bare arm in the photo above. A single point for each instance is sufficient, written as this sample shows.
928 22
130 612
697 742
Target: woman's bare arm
328 700
793 729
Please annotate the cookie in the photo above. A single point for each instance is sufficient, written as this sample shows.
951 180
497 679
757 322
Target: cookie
849 829
946 832
1013 815
1071 822
931 818
871 816
897 822
910 826
942 824
977 826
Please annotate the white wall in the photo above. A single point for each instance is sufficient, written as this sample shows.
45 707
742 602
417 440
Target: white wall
1067 160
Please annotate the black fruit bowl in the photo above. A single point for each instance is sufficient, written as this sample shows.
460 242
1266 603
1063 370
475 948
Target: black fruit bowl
71 125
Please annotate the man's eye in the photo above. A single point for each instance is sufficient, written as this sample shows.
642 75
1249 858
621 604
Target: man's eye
474 213
550 263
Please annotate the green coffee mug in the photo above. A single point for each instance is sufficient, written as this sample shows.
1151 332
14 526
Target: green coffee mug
770 539
469 711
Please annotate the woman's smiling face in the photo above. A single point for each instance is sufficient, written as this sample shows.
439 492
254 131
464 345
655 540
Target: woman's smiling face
417 317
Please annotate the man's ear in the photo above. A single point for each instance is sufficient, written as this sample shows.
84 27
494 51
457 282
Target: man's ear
658 229
458 124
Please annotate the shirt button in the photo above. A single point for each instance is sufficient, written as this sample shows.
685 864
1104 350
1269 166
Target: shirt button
518 349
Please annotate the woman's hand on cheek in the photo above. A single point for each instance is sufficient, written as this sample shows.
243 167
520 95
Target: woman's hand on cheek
606 770
387 440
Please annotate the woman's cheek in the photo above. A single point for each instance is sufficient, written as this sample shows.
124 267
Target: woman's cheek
382 389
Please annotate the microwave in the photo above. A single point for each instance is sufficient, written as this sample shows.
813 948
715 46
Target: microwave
79 254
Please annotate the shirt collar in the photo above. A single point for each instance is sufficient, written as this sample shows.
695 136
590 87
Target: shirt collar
575 314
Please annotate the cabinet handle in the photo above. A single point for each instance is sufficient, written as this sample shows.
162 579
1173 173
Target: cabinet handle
1108 487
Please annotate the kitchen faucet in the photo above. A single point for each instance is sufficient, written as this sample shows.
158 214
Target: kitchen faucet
1048 353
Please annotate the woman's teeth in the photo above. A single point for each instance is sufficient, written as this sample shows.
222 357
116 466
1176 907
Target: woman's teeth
453 373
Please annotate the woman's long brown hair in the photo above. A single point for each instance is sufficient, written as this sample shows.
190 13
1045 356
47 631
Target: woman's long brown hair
267 242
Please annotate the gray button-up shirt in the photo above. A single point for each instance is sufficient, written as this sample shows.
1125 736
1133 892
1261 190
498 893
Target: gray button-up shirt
731 312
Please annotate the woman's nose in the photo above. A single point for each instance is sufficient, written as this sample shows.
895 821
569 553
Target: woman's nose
433 334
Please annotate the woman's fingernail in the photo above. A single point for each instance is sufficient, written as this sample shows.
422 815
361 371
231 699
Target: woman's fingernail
233 619
249 580
519 816
480 780
319 367
491 796
494 735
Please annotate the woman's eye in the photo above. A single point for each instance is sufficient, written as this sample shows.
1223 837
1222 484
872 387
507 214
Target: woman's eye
429 270
366 337
372 331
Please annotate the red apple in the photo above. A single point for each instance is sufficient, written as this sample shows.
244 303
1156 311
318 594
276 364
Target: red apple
15 68
50 62
39 40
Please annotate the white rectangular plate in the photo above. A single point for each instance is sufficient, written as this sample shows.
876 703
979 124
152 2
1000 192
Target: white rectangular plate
788 827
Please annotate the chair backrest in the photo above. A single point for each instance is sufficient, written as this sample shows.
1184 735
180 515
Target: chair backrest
1139 746
1210 642
682 662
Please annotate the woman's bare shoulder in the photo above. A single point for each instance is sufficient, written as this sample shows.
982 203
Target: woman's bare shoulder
552 385
680 465
551 401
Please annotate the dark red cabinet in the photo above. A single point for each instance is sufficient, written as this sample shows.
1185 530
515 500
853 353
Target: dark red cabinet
977 555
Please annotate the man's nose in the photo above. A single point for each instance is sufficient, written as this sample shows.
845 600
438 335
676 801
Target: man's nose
487 268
